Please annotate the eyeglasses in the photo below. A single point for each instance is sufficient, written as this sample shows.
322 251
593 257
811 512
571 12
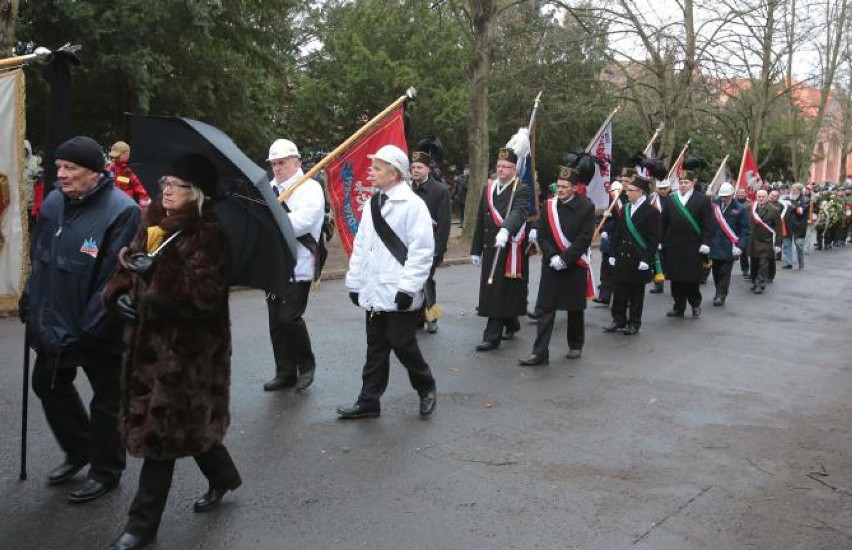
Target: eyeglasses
172 185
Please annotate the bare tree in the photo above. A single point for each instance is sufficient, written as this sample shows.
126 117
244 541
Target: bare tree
8 15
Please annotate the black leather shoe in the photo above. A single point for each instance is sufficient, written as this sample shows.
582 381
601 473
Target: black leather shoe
674 313
90 490
280 383
614 327
656 290
787 267
427 403
128 541
696 311
487 346
574 354
431 327
357 411
718 301
306 378
599 301
211 499
758 290
508 335
63 473
630 330
533 360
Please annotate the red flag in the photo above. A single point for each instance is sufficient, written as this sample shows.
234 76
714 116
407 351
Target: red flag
348 186
749 175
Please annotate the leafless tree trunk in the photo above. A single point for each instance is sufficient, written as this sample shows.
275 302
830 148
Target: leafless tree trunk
8 15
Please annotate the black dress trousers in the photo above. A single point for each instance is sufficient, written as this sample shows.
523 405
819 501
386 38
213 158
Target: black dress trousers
291 343
85 437
628 300
684 292
576 331
392 331
722 276
155 480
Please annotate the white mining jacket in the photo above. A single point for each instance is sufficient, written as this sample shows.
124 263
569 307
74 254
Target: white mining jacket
307 210
373 271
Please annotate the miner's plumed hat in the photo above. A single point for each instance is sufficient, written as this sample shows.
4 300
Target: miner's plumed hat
508 155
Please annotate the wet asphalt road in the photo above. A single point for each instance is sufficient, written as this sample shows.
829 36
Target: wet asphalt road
727 432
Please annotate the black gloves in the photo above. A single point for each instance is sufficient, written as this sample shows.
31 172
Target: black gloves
141 264
354 297
126 308
23 306
403 301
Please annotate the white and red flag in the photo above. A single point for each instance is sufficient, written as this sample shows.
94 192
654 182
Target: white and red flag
749 175
348 187
601 147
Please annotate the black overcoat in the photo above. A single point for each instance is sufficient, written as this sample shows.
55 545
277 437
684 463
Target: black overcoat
626 250
505 297
681 242
437 198
565 289
177 360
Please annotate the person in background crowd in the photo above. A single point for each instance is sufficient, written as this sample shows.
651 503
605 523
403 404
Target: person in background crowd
125 178
765 241
729 239
796 222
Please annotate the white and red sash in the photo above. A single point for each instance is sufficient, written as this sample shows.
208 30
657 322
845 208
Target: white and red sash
784 206
759 221
562 243
515 257
723 225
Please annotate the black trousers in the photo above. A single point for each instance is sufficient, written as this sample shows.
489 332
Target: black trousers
744 263
722 276
628 297
155 480
392 331
495 325
607 284
430 289
759 272
770 272
86 438
683 292
291 344
576 331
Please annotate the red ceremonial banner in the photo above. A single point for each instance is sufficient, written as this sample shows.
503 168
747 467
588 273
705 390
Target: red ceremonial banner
348 186
749 176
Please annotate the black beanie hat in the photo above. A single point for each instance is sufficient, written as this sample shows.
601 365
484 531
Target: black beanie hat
196 169
82 151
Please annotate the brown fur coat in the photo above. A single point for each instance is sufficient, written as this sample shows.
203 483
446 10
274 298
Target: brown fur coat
177 360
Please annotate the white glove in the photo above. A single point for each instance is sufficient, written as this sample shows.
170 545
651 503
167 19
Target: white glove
777 249
643 266
607 213
533 236
612 261
557 263
475 260
604 236
704 249
736 251
502 238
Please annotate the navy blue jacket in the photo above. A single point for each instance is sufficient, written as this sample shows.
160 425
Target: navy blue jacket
737 217
74 253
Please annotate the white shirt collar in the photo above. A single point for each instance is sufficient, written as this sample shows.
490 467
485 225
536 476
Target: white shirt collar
685 198
289 182
634 206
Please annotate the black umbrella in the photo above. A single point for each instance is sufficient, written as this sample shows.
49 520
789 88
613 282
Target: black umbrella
263 245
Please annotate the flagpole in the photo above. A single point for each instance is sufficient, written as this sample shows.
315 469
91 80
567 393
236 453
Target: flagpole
653 138
603 127
680 156
742 165
409 94
536 103
716 175
41 55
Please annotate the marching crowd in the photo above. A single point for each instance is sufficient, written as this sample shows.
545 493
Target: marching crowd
102 267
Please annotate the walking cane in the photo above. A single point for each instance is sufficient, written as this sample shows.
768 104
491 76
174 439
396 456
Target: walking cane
24 407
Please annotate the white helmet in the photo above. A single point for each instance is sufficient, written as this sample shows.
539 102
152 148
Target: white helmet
281 149
726 190
394 156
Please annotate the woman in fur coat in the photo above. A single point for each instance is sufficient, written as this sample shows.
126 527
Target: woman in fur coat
173 294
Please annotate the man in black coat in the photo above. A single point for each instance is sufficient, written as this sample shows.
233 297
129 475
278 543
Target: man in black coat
501 230
75 246
565 231
437 198
687 226
633 244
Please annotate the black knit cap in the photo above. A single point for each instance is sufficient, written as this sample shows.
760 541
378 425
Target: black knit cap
82 151
196 169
